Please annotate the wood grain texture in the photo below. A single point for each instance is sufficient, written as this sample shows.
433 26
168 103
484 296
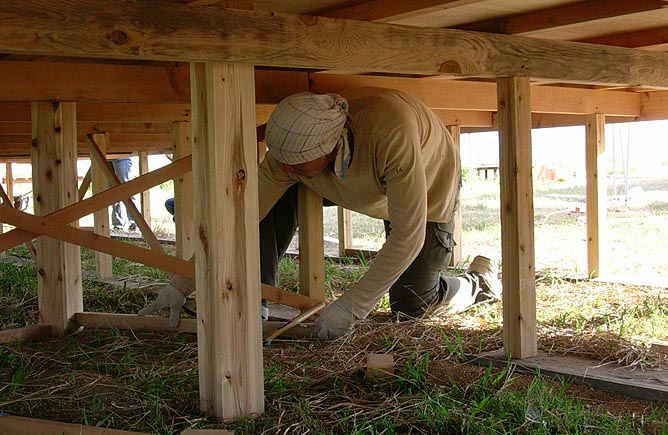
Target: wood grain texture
15 425
54 175
164 31
311 244
183 192
227 248
101 217
597 196
103 199
517 239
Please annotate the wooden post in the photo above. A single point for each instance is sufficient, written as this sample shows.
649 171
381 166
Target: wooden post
9 177
145 196
345 230
311 244
456 258
183 192
101 217
517 239
229 329
597 195
54 174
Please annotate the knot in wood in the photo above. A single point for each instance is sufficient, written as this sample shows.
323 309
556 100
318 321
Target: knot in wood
228 285
309 20
450 67
241 175
118 37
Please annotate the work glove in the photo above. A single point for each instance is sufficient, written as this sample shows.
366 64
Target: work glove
169 297
334 321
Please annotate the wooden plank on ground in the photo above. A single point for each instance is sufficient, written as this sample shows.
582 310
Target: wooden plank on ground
597 194
647 384
54 175
517 239
227 248
35 332
14 425
311 244
186 325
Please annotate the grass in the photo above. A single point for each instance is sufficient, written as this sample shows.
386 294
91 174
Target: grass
147 382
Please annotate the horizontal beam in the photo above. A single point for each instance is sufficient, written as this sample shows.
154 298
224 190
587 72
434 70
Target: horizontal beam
107 112
174 32
462 95
59 81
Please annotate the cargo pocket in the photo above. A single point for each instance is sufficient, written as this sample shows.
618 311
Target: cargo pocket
438 246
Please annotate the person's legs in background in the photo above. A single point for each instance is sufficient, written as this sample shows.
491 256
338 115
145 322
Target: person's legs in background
276 232
120 217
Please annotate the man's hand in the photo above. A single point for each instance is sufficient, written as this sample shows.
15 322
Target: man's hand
334 321
169 297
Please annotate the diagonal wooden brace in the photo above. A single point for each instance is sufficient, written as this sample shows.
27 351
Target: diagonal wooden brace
103 164
103 199
44 226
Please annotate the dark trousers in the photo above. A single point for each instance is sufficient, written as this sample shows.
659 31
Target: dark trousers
418 288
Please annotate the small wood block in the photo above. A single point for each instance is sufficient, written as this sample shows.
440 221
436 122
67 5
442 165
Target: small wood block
379 365
659 346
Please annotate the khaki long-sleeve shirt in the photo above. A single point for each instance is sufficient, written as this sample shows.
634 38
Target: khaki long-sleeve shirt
405 168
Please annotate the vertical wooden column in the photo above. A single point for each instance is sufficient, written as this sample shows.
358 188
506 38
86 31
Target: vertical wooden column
227 246
311 244
597 195
9 177
101 217
145 196
456 257
345 230
54 173
183 192
517 226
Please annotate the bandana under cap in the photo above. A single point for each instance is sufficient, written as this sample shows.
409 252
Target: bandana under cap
306 126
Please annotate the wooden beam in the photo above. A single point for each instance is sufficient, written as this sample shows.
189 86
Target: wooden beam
393 10
34 81
564 15
229 333
311 244
165 31
54 174
101 217
106 112
467 95
644 38
68 81
597 196
517 239
183 193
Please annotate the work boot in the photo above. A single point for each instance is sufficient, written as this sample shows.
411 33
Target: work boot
486 272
